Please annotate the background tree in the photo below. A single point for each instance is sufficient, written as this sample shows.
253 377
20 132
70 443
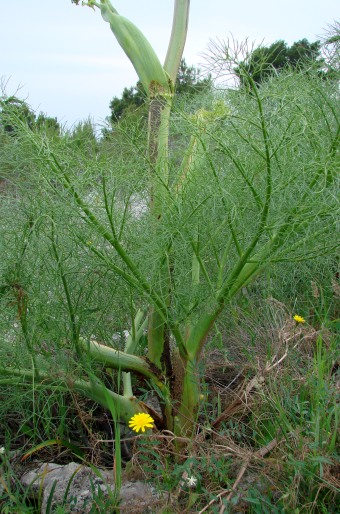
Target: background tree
14 111
83 136
265 61
48 124
190 81
132 98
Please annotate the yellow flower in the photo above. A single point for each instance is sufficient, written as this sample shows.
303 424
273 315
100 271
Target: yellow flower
299 319
141 421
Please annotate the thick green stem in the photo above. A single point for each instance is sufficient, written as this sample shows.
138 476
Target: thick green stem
158 141
125 406
177 39
119 360
92 389
158 149
187 413
131 343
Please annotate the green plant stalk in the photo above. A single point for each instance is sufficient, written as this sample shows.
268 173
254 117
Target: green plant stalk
119 360
132 341
196 263
158 332
92 389
188 381
158 141
22 315
127 407
127 384
177 38
158 150
187 412
185 381
186 167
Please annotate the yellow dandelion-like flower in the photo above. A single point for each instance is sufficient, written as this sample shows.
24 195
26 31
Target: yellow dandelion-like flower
141 421
299 319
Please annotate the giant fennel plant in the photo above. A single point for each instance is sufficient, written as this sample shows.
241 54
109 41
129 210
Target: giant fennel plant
247 181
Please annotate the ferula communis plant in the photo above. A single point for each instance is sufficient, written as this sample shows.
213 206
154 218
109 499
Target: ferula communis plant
254 186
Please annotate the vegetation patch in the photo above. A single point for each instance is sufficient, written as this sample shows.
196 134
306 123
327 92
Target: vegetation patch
169 291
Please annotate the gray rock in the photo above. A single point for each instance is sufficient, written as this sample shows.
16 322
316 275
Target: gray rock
81 490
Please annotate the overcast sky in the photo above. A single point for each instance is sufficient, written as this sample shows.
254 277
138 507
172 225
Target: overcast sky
69 65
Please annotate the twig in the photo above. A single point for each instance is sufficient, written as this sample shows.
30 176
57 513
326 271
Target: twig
262 452
259 453
240 400
238 479
219 496
272 364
